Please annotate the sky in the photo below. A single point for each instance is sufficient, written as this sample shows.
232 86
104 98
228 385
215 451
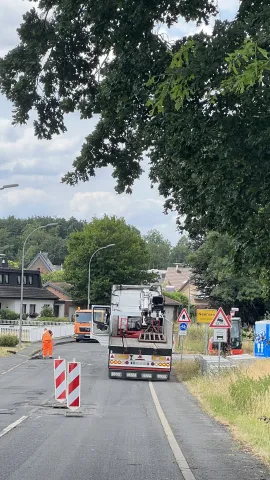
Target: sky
38 165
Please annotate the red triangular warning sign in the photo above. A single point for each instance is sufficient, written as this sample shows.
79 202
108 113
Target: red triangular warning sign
183 317
220 320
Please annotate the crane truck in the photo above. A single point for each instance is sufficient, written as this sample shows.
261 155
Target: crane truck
140 337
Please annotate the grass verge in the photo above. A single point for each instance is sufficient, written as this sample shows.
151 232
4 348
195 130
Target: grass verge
5 351
240 399
194 341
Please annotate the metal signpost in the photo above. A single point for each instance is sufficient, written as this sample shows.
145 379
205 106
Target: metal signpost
205 316
221 324
183 320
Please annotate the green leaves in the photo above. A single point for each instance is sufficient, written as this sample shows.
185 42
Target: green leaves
177 83
125 263
246 66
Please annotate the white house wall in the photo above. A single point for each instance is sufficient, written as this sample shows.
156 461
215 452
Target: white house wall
15 304
8 304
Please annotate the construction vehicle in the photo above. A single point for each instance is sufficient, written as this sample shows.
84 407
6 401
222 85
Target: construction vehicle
233 346
140 337
89 322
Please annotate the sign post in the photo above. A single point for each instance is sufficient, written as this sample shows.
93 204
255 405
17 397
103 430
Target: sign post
221 324
205 316
183 320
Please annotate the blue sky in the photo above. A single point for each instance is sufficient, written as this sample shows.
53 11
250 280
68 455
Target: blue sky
38 165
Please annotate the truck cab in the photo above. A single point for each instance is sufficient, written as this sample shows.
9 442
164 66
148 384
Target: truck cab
85 323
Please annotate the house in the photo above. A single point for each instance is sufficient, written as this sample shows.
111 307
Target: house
34 295
178 279
42 263
172 308
61 289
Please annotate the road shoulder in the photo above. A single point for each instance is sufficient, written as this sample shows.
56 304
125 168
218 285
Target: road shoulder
208 446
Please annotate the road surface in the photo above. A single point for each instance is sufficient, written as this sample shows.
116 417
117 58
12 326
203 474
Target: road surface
129 429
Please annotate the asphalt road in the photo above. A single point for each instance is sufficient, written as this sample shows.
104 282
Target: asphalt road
120 435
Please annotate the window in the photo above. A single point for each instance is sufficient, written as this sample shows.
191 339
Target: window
1 278
32 309
6 278
19 279
24 309
30 280
24 280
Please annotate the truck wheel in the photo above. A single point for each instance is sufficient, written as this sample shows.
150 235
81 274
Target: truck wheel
77 340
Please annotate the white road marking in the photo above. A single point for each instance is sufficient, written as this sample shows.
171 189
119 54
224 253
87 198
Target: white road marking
13 368
12 425
179 456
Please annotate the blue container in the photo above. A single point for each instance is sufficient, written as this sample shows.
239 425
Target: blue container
262 339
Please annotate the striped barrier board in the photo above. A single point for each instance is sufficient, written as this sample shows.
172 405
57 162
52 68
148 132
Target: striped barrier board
60 380
74 385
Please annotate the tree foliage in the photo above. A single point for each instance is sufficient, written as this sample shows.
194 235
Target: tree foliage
216 277
159 250
180 253
125 263
210 156
13 232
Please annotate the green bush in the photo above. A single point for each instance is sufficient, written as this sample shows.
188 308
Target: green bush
46 312
8 340
9 315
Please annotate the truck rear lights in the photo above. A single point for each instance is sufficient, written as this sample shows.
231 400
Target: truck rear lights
153 363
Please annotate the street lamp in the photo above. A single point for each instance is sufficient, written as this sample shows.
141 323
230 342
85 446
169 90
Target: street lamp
22 275
89 270
11 185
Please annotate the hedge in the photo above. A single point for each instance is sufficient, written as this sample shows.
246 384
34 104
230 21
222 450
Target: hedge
8 315
8 340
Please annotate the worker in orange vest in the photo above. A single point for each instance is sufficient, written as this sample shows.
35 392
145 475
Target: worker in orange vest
47 343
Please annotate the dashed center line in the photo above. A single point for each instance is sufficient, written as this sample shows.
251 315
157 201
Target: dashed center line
12 425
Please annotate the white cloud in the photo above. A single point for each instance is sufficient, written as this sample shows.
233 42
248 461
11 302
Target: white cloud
17 197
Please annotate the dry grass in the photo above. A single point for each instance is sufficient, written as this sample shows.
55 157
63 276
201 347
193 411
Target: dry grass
187 369
4 351
240 399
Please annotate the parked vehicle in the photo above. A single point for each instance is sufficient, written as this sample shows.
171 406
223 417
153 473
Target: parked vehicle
140 337
87 321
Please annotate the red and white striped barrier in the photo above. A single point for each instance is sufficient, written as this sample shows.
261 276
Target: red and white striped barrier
60 380
74 385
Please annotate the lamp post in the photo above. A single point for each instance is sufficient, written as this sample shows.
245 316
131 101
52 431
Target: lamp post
11 185
89 270
22 275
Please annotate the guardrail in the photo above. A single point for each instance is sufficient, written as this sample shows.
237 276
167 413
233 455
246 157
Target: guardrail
34 333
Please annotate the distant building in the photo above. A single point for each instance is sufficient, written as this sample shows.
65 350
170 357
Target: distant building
35 297
61 289
178 279
161 274
42 263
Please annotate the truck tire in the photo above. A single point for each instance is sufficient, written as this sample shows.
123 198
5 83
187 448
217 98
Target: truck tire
77 340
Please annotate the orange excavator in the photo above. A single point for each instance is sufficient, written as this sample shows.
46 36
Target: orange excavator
233 346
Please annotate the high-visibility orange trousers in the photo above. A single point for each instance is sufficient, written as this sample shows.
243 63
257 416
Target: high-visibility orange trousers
47 349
